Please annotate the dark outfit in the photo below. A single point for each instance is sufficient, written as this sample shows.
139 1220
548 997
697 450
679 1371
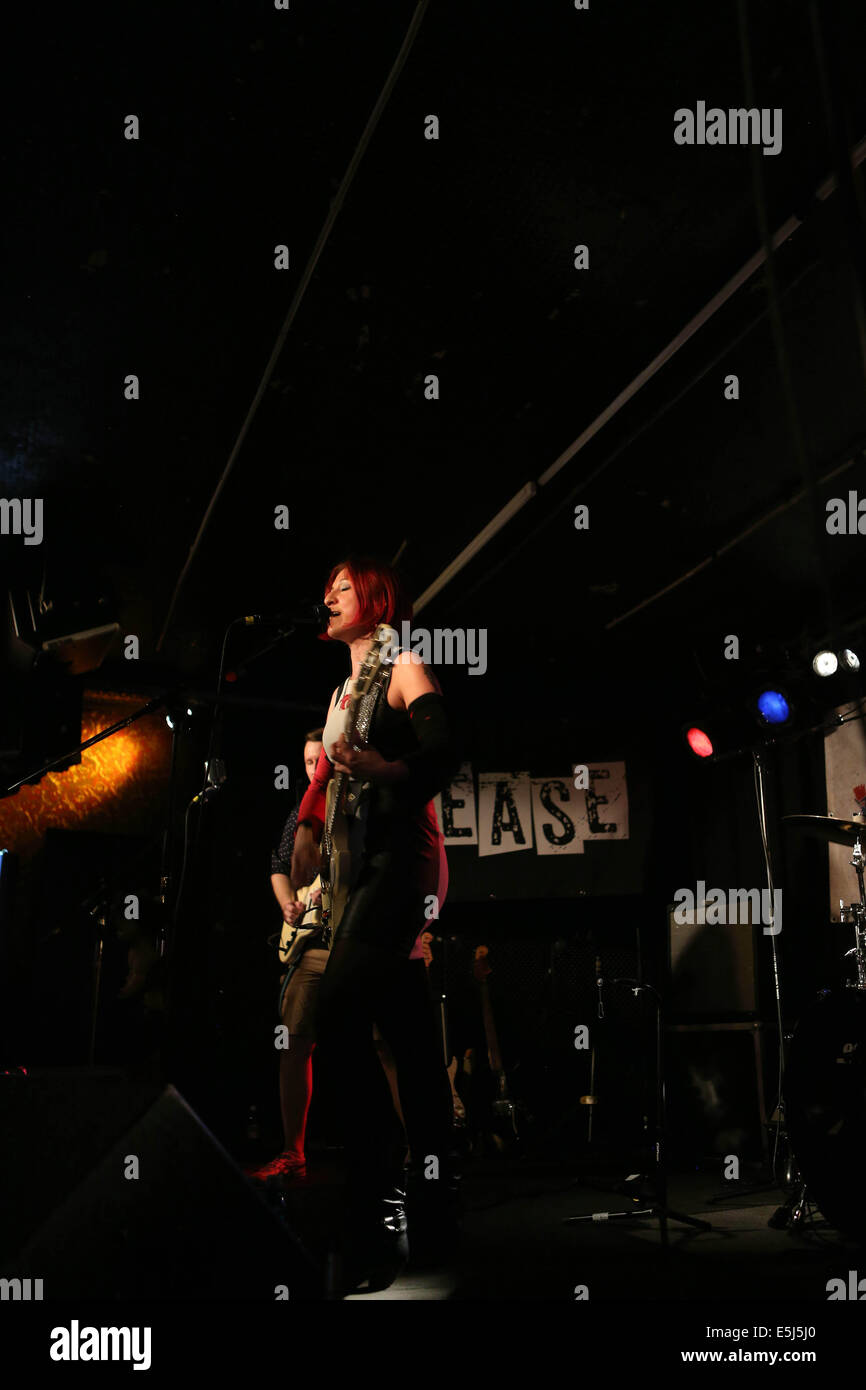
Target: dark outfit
369 975
281 859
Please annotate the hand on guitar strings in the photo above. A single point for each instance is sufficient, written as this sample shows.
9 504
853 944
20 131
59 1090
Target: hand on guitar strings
365 764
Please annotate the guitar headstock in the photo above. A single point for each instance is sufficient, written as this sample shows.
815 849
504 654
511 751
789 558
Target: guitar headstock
382 651
481 967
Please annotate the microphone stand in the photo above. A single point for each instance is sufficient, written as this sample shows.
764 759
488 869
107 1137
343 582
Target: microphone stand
99 915
657 1201
150 708
97 904
214 778
793 1211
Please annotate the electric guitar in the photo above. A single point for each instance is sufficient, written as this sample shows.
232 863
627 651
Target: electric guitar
458 1108
344 799
504 1132
294 937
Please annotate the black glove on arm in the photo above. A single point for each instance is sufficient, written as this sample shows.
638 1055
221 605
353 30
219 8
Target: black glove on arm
433 764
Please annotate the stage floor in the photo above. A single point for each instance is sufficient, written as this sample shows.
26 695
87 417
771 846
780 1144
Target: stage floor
517 1243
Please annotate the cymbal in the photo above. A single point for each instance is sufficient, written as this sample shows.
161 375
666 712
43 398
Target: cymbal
830 828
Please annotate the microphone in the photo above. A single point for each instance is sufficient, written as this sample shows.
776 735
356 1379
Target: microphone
306 612
215 776
206 794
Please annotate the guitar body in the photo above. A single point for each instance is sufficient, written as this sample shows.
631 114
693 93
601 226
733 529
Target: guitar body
293 939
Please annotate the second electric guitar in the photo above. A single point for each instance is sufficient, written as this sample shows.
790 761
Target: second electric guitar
503 1124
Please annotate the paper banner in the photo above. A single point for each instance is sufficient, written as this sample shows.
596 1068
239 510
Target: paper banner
554 806
504 812
455 809
601 812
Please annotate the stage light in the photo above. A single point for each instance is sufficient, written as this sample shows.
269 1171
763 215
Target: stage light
170 722
824 664
117 782
773 707
700 743
850 660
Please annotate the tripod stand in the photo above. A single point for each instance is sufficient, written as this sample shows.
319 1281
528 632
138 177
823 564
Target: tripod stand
657 1200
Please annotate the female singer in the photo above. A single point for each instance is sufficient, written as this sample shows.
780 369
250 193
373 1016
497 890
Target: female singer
396 890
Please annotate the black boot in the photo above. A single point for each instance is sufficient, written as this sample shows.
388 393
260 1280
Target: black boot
434 1213
376 1246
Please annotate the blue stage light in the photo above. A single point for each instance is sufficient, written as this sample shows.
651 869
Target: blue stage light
773 707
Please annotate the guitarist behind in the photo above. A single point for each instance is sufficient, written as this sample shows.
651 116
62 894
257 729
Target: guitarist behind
297 1000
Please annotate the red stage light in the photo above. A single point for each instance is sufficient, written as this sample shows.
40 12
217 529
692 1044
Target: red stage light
700 743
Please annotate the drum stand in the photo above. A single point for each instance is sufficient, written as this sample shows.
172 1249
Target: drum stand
793 1213
857 914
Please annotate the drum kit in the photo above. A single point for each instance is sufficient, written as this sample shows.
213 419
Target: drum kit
825 1075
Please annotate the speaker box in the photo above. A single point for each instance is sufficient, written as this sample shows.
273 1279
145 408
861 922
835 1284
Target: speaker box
712 968
110 1190
715 1092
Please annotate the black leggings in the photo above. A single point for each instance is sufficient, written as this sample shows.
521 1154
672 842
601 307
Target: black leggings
364 984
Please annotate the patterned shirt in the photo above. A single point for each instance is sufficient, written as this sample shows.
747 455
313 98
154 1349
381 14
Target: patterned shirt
281 859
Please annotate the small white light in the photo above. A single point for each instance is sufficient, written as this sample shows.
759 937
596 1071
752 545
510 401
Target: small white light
169 721
189 712
850 660
825 664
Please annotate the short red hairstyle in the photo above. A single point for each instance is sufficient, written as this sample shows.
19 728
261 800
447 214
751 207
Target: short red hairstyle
382 596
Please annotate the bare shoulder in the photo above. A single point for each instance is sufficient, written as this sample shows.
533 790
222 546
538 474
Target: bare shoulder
411 678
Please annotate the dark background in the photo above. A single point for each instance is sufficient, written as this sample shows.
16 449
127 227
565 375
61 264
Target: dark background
454 257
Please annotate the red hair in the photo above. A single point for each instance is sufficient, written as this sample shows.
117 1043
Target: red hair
380 590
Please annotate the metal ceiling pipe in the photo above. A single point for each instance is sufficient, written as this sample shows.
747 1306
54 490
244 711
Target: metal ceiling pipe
746 271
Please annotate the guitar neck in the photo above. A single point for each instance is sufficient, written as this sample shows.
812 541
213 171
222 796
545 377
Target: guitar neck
339 780
370 673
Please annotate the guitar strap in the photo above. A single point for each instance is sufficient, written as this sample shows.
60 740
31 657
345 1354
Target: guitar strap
368 703
366 711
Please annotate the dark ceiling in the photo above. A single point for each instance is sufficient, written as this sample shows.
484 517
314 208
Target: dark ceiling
453 256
